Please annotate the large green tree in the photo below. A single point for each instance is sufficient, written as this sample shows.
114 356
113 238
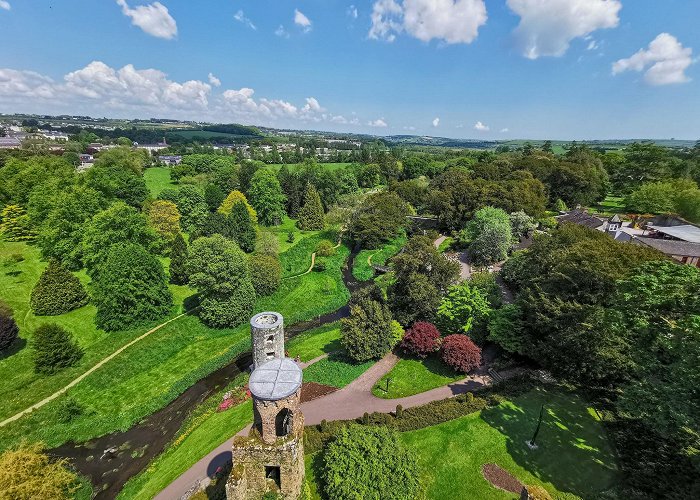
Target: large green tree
178 260
240 227
489 235
380 218
463 309
367 332
266 197
58 291
311 217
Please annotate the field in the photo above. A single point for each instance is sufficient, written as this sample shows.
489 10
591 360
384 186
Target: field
205 135
157 180
412 376
315 343
149 374
337 370
611 205
574 458
362 269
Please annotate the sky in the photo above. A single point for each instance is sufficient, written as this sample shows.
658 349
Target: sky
478 69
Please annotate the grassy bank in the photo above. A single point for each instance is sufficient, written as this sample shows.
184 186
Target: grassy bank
362 268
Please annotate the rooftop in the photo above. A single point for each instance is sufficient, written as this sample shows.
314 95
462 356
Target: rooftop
276 379
672 247
685 232
582 218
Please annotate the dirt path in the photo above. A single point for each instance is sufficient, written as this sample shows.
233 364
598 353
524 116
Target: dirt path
76 381
350 402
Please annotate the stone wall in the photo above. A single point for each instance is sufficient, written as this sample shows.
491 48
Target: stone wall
265 416
267 337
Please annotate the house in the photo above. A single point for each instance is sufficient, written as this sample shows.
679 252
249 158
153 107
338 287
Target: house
170 159
152 147
685 252
10 143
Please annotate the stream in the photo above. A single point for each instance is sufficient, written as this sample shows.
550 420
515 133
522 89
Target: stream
111 460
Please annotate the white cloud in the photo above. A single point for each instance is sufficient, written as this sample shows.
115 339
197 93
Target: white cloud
5 5
312 105
436 122
241 18
25 84
339 119
301 20
547 27
378 123
504 131
281 32
481 127
214 80
153 19
665 58
451 21
353 12
592 45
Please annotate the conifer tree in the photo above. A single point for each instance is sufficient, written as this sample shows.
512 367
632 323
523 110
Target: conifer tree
58 291
311 213
54 348
14 224
241 228
178 258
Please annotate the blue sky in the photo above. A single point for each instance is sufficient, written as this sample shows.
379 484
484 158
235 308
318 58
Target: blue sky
493 69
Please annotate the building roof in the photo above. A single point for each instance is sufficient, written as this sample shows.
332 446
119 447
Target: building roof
615 219
685 232
276 379
672 247
581 218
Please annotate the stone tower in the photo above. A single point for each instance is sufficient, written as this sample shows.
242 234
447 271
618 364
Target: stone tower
271 457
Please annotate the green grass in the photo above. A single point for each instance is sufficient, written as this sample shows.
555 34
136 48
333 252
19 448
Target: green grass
149 374
203 431
611 205
336 370
297 259
362 269
573 457
315 343
158 179
445 245
412 376
282 231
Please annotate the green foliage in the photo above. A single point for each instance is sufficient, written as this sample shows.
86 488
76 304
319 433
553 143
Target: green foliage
54 349
241 228
8 327
218 269
397 333
58 291
191 205
463 308
68 410
680 196
214 196
164 218
325 248
367 332
337 370
178 260
560 206
130 288
362 268
265 273
267 198
486 283
311 217
233 198
15 224
521 225
380 218
506 328
489 236
117 175
371 462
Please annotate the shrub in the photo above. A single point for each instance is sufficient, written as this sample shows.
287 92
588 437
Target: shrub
421 339
58 291
131 288
233 198
536 492
325 248
290 237
68 409
27 472
265 272
460 353
506 328
8 327
54 349
461 309
369 463
366 333
15 224
397 333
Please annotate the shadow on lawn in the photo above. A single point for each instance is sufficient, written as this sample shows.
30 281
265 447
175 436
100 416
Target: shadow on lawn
572 453
19 344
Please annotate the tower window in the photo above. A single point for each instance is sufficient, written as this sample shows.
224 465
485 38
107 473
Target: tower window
283 423
270 355
272 472
270 338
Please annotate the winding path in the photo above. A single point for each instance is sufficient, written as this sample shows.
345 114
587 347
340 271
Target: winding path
350 402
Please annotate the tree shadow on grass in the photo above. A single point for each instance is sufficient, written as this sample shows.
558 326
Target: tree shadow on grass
572 454
334 346
14 348
191 303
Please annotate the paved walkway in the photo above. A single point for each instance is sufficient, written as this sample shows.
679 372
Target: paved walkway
91 370
350 402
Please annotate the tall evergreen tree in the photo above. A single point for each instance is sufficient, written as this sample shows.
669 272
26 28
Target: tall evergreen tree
311 213
58 291
54 348
241 228
178 258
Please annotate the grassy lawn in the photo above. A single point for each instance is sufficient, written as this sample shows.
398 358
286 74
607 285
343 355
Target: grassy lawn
297 259
149 374
362 269
611 205
445 245
573 457
282 232
412 376
336 370
316 342
158 179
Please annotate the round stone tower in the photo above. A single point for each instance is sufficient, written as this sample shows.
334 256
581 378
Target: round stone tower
267 337
271 458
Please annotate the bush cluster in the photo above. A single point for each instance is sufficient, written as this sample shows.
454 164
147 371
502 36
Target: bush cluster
58 291
8 327
421 339
460 353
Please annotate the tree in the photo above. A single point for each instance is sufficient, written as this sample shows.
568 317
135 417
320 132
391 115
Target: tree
8 327
58 291
560 206
460 353
214 196
421 339
369 462
164 218
366 333
119 223
178 260
380 218
311 217
216 223
26 472
240 227
506 328
266 273
191 205
130 289
15 224
522 225
54 349
463 308
233 198
218 269
267 198
489 236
